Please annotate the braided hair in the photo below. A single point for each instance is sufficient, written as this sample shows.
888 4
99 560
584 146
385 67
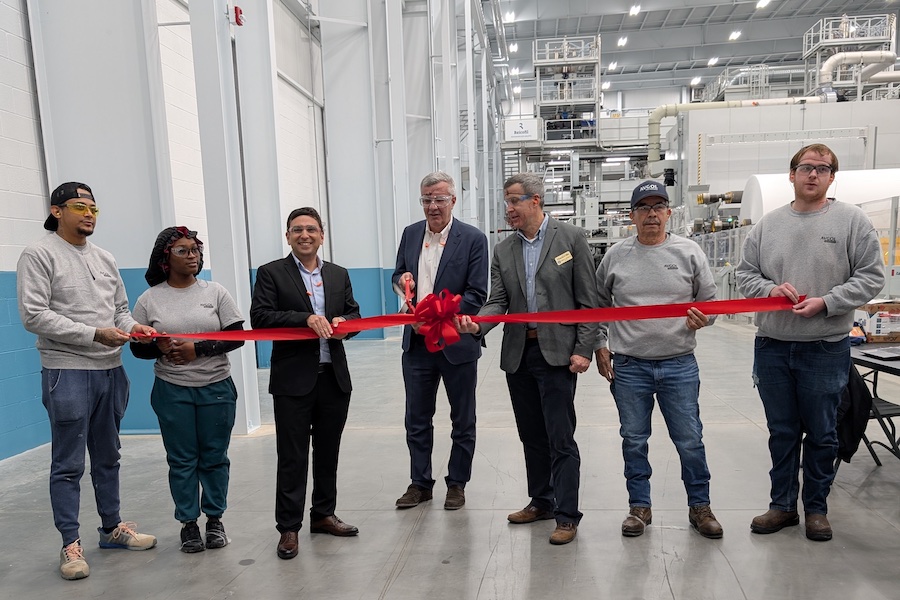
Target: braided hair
158 270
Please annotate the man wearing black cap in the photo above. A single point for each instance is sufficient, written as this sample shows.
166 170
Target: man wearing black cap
655 357
71 295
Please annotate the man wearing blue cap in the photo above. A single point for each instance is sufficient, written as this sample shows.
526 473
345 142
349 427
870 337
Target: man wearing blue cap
654 358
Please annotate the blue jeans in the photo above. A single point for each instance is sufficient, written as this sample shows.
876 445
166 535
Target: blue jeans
800 384
85 408
675 382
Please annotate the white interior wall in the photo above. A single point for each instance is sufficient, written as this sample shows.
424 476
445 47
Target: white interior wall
301 156
181 119
23 179
649 98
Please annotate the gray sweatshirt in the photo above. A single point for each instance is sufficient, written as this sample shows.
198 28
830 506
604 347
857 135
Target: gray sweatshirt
65 294
832 253
632 274
204 306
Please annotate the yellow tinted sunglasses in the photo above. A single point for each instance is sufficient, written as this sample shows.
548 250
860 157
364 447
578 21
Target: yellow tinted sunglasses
82 208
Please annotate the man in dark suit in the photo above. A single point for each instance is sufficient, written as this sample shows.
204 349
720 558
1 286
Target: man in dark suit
309 379
436 254
546 265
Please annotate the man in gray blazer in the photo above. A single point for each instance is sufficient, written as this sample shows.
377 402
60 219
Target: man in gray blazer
546 265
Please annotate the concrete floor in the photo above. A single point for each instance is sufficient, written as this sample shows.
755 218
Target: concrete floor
427 552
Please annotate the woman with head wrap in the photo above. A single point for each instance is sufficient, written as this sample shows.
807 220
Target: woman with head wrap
193 394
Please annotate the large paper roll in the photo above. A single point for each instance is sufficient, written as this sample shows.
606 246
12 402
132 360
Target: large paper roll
763 193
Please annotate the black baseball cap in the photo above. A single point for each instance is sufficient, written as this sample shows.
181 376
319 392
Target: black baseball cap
648 189
61 194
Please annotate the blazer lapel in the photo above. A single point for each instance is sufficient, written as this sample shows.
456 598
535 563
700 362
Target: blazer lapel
520 263
294 275
549 234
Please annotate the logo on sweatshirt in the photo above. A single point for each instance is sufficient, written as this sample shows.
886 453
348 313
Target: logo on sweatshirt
206 305
671 267
828 239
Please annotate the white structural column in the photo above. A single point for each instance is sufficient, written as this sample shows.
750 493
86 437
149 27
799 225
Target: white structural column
226 215
404 184
446 100
355 201
257 75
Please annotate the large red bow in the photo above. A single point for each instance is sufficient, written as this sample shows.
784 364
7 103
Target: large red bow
436 313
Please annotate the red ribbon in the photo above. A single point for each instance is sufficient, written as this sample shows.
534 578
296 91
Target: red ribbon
436 313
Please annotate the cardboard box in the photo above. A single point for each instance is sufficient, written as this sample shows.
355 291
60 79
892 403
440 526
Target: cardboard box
883 321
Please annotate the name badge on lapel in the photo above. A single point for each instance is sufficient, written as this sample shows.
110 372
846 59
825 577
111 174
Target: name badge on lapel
563 258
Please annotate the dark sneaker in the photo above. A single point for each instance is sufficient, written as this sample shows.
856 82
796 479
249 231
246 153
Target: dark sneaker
456 498
71 562
414 496
637 520
774 520
818 529
215 534
190 538
704 521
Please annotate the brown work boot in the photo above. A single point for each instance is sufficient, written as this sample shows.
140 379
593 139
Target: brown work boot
818 529
638 518
774 520
563 534
530 514
704 521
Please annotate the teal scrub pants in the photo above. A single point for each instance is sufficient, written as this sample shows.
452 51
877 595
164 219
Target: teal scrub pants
196 424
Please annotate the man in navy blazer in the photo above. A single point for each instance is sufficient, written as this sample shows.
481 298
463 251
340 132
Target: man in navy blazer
436 254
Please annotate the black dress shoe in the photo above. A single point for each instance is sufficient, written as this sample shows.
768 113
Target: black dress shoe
287 545
334 526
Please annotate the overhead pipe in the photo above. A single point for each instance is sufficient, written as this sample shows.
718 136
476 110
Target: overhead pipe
884 77
876 60
670 110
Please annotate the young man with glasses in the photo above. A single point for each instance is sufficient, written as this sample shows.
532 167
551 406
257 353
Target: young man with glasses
436 254
547 265
72 296
653 359
829 252
309 379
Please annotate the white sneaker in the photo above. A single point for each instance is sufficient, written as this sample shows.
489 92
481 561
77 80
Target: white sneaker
124 536
71 562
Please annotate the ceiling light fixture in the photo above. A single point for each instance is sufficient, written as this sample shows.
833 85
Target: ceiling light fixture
514 71
762 3
613 65
635 10
617 159
509 17
514 47
734 35
623 40
712 62
605 85
517 89
695 81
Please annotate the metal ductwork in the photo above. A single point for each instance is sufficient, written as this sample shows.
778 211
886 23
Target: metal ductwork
670 110
876 60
